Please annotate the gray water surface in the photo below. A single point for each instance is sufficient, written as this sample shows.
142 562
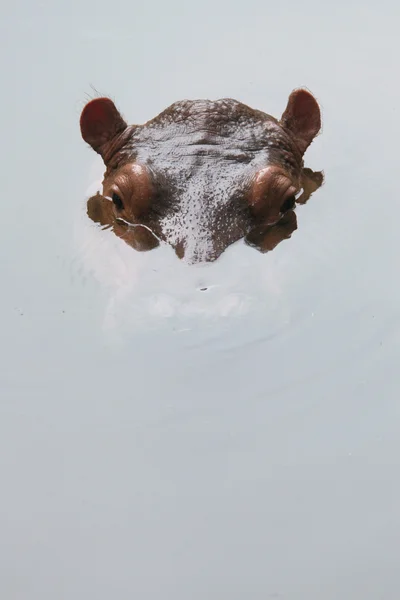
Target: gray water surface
162 442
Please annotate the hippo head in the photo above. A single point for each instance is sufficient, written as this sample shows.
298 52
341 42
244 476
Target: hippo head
202 174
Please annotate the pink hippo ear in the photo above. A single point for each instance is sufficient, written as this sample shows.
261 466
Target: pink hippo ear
302 118
101 122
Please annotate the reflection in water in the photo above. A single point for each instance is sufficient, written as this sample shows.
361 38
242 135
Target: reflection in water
153 289
199 178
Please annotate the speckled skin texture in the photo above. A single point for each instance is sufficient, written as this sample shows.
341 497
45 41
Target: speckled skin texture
202 174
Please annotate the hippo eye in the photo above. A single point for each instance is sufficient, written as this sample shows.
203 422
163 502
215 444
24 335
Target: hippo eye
117 201
288 204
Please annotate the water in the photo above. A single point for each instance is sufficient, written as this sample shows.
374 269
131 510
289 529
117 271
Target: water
160 441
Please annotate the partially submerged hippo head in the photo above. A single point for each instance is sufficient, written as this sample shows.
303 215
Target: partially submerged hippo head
203 174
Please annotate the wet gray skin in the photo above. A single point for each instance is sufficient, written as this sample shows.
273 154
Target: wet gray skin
202 174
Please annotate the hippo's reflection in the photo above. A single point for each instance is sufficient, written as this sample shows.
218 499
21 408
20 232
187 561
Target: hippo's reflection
203 174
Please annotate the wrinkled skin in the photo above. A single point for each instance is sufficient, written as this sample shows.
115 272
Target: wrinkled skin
203 174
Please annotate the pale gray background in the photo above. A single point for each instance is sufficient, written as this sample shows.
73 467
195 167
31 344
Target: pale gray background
158 442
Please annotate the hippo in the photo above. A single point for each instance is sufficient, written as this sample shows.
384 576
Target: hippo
203 174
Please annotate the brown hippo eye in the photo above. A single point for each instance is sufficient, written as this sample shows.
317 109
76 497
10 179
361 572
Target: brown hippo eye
117 201
288 204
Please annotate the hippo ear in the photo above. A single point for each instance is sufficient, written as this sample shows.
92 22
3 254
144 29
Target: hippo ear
302 118
101 122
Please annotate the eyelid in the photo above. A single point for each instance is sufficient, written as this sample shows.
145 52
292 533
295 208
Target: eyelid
291 191
113 191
